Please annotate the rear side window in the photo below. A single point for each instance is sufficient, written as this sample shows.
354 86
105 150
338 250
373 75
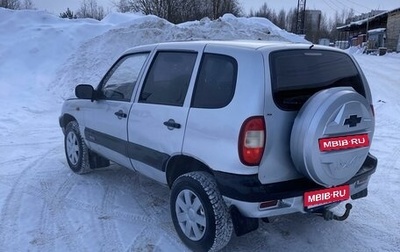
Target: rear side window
216 81
298 74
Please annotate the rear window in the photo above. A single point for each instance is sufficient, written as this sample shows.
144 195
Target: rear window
298 74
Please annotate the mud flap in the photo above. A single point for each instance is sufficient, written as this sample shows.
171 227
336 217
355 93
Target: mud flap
242 224
96 161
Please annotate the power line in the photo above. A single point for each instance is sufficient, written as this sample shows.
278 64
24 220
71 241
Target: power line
329 5
369 9
338 8
345 6
348 7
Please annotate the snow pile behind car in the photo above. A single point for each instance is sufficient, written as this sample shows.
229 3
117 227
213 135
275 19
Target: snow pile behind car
96 55
47 54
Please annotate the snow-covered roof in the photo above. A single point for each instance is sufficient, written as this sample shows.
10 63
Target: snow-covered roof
363 21
377 30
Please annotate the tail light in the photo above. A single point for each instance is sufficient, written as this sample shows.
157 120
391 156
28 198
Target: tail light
252 141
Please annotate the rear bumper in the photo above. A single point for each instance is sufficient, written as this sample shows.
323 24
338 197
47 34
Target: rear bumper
246 192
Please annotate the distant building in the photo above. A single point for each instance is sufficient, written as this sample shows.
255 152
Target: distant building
312 25
381 30
313 20
365 15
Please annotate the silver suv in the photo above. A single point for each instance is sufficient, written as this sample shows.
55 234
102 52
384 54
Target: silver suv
240 131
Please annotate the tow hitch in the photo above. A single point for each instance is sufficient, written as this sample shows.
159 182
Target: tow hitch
328 215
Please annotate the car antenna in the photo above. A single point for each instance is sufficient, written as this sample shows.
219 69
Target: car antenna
311 46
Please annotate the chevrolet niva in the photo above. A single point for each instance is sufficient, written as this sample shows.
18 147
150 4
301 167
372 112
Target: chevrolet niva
238 130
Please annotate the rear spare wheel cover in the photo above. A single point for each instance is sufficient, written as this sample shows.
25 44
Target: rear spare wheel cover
331 136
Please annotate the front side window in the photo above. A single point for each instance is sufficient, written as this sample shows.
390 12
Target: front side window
121 79
168 79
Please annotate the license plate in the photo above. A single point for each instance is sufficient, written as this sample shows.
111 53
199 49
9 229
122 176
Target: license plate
343 143
326 196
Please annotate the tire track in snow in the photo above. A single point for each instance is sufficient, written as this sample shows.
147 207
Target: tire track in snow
16 160
30 144
109 228
149 239
12 203
53 226
108 215
152 198
37 181
54 222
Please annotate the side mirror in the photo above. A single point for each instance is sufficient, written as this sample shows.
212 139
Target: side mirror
84 91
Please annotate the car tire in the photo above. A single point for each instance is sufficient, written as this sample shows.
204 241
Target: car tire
327 115
76 150
199 213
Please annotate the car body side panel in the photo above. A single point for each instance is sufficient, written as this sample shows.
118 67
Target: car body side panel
212 134
276 164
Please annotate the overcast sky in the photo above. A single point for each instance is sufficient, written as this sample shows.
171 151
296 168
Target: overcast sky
326 6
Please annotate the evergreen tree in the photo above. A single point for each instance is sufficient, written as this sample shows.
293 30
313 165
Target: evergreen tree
68 14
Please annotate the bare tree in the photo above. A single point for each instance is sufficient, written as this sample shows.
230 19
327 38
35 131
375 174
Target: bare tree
324 27
90 9
177 11
123 6
281 18
267 12
27 4
10 4
220 7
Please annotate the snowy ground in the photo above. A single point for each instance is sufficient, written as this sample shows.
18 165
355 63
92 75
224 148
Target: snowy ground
45 207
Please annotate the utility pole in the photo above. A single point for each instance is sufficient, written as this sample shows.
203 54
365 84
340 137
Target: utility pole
301 15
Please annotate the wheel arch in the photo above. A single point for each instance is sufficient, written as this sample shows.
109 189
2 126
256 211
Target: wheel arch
182 164
65 119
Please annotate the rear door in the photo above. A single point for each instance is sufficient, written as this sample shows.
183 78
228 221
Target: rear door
157 120
295 76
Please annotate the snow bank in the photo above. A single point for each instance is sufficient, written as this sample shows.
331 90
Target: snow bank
47 56
117 18
96 55
355 50
33 46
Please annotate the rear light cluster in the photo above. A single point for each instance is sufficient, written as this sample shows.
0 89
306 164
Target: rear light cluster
252 141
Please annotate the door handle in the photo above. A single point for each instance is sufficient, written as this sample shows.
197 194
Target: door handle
171 124
120 114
